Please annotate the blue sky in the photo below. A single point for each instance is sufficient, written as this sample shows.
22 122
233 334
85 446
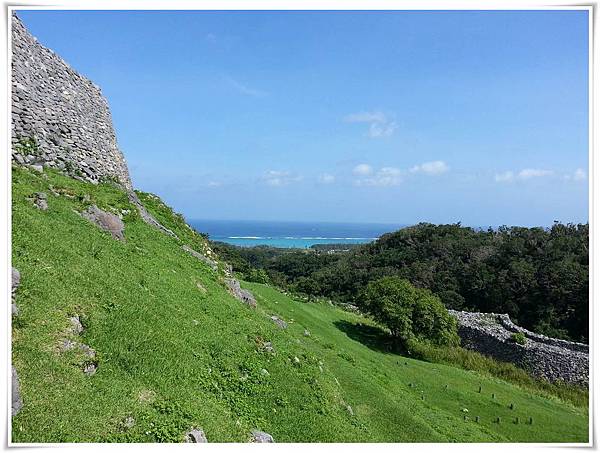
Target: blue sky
400 117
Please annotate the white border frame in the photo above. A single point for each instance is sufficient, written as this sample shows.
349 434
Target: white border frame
297 5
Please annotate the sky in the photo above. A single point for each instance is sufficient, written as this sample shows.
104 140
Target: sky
401 117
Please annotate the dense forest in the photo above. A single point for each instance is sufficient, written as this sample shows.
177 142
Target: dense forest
538 276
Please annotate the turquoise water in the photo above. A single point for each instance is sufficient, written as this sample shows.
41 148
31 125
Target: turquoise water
302 235
289 242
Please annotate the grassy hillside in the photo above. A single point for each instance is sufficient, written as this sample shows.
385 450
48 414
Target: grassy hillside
175 350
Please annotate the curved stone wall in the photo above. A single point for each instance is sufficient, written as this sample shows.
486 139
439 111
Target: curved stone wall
63 111
549 358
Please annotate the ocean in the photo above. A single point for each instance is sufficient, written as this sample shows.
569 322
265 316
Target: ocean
250 233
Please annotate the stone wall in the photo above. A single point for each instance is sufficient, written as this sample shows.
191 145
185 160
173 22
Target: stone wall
63 111
549 358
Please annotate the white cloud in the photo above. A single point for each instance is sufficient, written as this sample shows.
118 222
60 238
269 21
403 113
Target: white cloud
384 177
580 175
437 167
243 89
379 124
326 178
362 170
211 37
366 117
504 177
377 130
214 184
523 175
529 173
276 178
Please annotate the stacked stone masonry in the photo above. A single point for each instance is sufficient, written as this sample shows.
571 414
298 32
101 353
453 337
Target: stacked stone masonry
549 358
64 113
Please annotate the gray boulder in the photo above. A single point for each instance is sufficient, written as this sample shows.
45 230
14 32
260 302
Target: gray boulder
146 216
40 200
280 322
105 220
90 369
242 294
261 437
196 436
16 279
76 326
204 259
17 401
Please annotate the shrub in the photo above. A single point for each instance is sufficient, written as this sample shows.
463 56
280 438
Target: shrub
257 276
409 312
518 338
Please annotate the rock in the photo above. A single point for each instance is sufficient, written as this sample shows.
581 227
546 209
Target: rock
17 401
264 372
349 409
16 280
89 352
105 220
66 345
196 436
306 333
146 216
266 346
280 322
296 359
261 437
242 294
248 298
76 326
204 259
90 369
129 422
39 200
38 168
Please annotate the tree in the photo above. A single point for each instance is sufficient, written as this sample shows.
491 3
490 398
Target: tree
409 312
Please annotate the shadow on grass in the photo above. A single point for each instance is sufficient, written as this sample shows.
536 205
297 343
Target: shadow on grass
373 337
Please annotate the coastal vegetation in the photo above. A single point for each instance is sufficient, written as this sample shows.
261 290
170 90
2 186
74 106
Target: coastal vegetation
538 276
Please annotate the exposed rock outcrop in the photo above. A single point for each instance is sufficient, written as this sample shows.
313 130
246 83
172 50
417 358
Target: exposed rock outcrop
549 358
17 401
261 437
213 264
105 220
280 322
242 294
40 200
16 280
196 436
146 216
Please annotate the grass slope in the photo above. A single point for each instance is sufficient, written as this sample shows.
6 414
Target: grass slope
176 351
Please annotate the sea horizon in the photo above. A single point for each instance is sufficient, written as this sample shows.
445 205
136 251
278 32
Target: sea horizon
292 234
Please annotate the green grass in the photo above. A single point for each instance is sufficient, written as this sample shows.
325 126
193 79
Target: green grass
173 356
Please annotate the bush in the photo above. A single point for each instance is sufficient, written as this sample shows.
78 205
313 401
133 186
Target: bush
409 312
257 276
518 338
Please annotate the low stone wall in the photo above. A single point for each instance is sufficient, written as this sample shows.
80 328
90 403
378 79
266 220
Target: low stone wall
548 358
64 113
